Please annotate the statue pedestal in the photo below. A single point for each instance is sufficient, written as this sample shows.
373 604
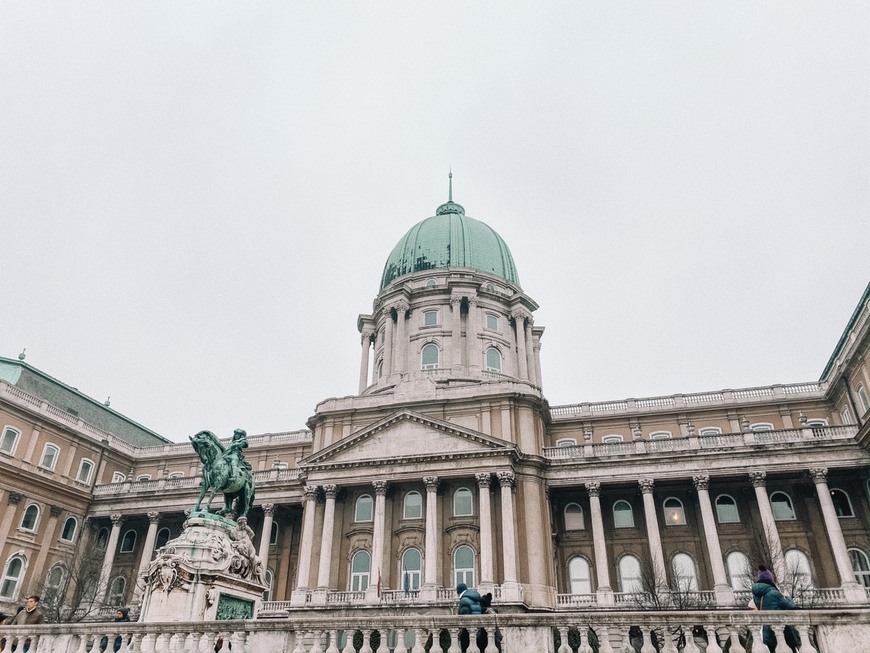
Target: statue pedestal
210 572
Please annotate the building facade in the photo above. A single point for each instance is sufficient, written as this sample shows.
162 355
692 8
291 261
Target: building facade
450 466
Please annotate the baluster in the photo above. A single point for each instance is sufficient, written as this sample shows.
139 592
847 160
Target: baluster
225 643
299 636
779 631
400 642
315 645
147 644
690 647
348 644
240 641
366 645
454 641
333 642
490 642
806 644
134 647
757 643
736 646
418 641
175 643
583 636
712 640
160 643
668 645
604 645
206 642
472 641
647 643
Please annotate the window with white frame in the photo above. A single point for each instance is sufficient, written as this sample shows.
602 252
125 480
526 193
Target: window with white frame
9 440
846 415
726 509
117 591
740 574
12 573
268 579
492 322
493 359
709 431
629 574
490 287
163 536
379 368
431 283
360 571
30 518
816 422
103 539
429 356
118 477
176 475
862 399
412 565
860 566
574 517
273 534
623 516
463 566
70 526
54 583
579 576
783 508
842 503
86 468
128 542
566 442
143 477
430 318
798 575
612 439
675 514
760 427
49 457
660 435
463 503
364 509
685 574
412 507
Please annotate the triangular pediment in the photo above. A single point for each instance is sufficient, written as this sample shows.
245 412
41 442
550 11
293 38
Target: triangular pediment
407 436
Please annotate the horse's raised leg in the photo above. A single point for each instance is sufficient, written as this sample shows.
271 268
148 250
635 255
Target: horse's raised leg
202 489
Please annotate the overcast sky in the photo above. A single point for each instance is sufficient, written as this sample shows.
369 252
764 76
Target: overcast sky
197 199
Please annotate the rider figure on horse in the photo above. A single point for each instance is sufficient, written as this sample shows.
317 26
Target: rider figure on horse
234 453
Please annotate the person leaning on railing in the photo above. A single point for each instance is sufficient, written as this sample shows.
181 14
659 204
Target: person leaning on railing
766 596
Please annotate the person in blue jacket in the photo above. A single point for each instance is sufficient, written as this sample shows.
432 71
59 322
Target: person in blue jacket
471 602
767 596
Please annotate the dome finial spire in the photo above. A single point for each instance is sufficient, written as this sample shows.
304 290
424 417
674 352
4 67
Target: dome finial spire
450 185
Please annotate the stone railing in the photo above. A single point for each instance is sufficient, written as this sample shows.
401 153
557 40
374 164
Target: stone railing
707 442
822 631
671 402
261 479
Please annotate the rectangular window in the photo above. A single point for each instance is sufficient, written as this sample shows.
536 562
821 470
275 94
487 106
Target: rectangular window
10 439
85 469
430 318
492 322
49 457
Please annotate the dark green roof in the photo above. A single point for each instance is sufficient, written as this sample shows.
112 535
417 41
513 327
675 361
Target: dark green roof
450 239
842 341
61 396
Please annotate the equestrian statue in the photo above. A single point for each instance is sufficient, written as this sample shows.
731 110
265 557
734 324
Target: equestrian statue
225 470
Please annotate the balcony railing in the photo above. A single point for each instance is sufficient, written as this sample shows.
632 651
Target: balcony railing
261 479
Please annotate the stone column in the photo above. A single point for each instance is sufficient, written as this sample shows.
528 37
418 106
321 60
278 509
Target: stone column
13 499
388 342
471 331
599 540
854 592
48 538
109 559
487 576
430 582
538 376
400 358
456 334
768 523
510 588
266 533
530 352
365 354
299 595
323 579
724 592
522 361
377 538
657 556
147 552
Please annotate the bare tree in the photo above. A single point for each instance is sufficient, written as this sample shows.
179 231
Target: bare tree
70 592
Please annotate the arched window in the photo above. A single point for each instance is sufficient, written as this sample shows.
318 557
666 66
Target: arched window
380 367
660 435
798 575
49 457
817 422
431 283
462 503
463 566
163 536
429 356
846 415
675 514
364 508
758 427
783 509
842 504
31 518
629 574
54 583
118 477
143 477
574 517
579 576
412 507
12 574
128 542
623 517
726 509
103 539
360 571
176 475
684 572
709 431
611 439
861 566
490 287
862 399
117 591
70 526
86 468
739 569
430 318
273 534
412 564
268 579
493 360
566 442
9 440
492 322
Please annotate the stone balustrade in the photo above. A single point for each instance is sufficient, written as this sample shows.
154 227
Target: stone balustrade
261 479
823 631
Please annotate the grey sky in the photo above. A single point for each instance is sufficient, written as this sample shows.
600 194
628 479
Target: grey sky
197 199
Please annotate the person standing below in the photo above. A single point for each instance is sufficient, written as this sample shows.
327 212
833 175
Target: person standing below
31 615
767 596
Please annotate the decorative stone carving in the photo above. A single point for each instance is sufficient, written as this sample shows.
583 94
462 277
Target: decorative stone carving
702 482
153 517
431 483
593 488
758 478
646 485
224 470
819 474
117 518
331 491
506 479
310 492
380 487
484 479
268 508
55 511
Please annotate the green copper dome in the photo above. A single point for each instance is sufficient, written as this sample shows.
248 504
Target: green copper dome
450 239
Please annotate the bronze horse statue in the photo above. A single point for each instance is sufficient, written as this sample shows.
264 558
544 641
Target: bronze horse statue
224 470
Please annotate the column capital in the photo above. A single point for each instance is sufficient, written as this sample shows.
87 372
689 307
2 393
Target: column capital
702 482
530 321
819 474
759 479
116 518
593 488
380 487
455 300
472 301
153 517
519 316
55 511
330 490
14 498
484 479
431 483
400 307
268 508
646 485
367 334
506 479
310 492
